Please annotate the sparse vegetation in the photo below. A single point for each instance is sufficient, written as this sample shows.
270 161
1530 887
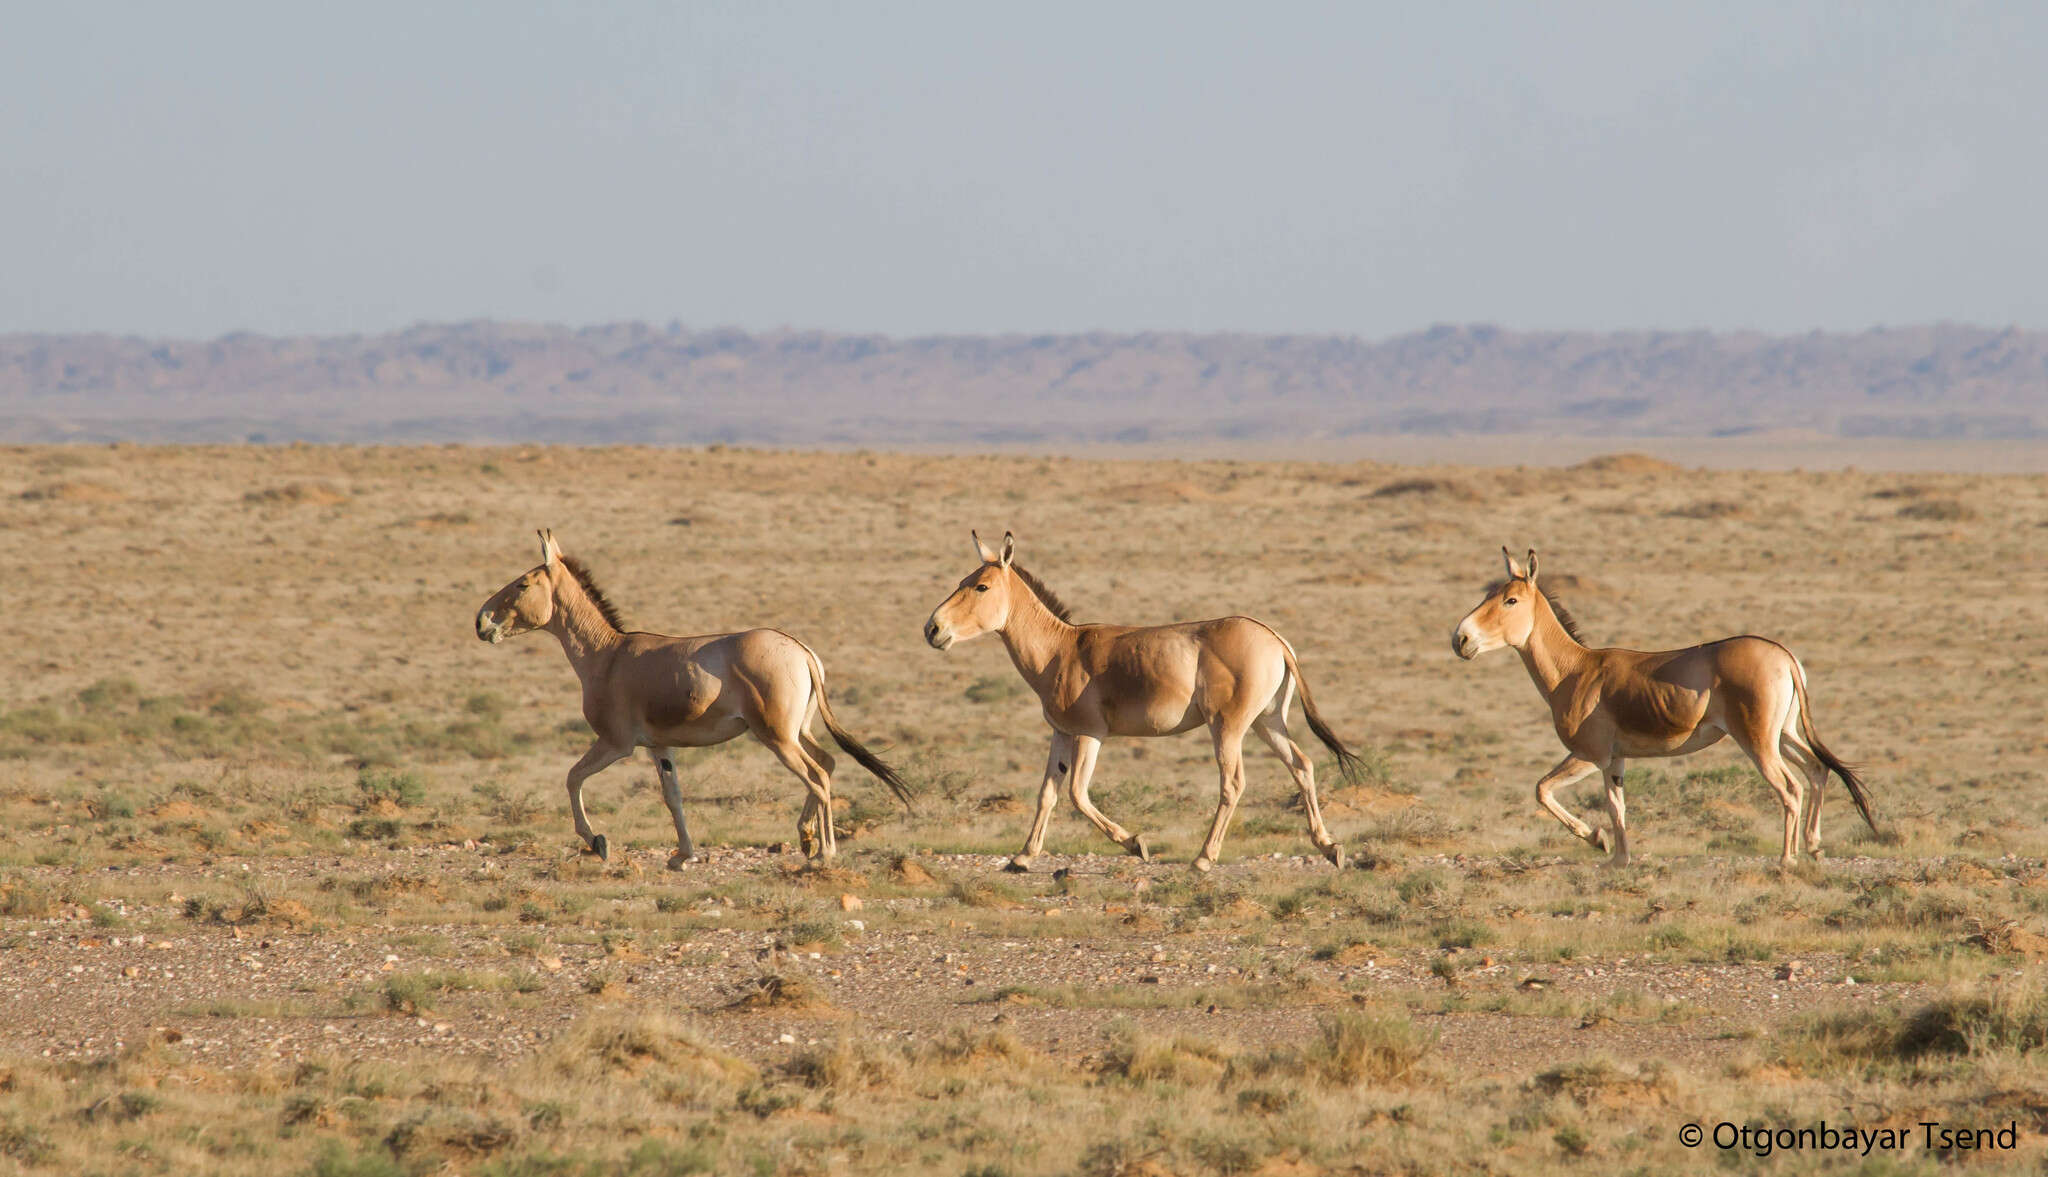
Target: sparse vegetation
365 939
1937 511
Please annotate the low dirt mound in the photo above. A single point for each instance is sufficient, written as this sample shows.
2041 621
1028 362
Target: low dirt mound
1628 463
1348 579
1568 583
1937 511
909 870
1439 488
319 494
1709 509
783 994
74 492
1599 1083
1163 491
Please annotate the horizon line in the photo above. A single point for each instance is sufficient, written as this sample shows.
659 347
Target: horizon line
678 326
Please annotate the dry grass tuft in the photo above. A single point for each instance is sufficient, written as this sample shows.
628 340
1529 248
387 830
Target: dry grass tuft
254 908
829 879
1349 1049
2008 937
1938 511
977 891
965 1044
1183 1059
1162 491
449 1134
908 870
1710 509
2009 1019
783 993
1448 488
1571 584
848 1064
74 492
1600 1082
1628 463
318 494
637 1044
23 899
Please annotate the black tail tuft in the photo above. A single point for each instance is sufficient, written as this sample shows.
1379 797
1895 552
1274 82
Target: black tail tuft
870 761
1348 762
852 747
1857 792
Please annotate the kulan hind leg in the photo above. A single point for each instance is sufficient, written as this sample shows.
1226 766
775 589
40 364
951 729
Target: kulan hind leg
1230 787
1617 813
818 781
809 835
672 796
1801 757
1786 783
1272 728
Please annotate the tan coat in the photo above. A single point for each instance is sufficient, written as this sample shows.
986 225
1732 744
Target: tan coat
1612 705
1232 675
648 690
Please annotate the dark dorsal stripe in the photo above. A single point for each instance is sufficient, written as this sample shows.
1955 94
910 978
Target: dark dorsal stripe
604 606
1046 596
1564 615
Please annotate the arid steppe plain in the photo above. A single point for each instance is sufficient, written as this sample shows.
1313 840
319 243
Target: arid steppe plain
287 882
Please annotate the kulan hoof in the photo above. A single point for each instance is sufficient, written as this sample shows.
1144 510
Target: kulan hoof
1135 847
1019 864
1335 853
1203 865
600 847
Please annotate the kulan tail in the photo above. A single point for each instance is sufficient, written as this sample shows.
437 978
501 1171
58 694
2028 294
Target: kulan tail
854 748
1857 792
1348 762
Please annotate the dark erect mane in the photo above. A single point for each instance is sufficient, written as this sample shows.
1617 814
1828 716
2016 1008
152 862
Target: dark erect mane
582 574
1046 596
1564 615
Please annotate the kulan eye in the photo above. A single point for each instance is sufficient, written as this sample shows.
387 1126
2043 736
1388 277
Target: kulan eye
980 588
1513 600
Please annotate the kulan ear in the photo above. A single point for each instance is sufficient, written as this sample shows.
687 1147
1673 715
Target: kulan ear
550 551
1515 571
1009 549
1532 565
982 550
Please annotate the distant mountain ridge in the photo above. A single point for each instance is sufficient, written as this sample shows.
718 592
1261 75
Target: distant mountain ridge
489 381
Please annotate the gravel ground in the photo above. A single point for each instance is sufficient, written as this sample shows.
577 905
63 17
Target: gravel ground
243 996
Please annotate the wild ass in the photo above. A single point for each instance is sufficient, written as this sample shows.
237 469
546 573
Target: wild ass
1612 704
1232 675
647 690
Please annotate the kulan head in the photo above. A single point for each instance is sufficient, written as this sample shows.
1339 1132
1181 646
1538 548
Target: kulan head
1506 617
528 603
981 604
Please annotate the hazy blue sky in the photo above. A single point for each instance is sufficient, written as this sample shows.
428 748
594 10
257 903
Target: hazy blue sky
192 169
